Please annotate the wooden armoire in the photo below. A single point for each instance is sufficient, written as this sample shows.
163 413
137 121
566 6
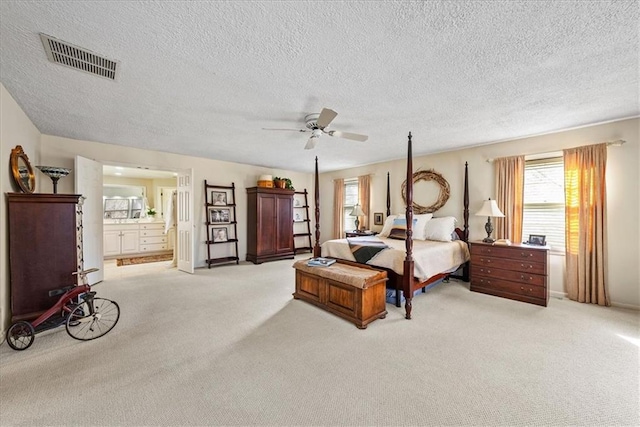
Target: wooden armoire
43 249
269 224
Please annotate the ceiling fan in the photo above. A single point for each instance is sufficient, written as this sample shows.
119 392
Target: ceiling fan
317 125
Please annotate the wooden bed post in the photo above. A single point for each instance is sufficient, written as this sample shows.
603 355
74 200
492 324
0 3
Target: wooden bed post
388 196
465 214
316 247
407 281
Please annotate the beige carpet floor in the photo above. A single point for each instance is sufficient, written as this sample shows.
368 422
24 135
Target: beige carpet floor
229 346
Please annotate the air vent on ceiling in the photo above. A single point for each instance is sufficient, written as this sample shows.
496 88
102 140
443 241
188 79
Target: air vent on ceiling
79 58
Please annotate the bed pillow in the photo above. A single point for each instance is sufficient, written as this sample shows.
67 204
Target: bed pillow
420 229
440 229
388 225
399 229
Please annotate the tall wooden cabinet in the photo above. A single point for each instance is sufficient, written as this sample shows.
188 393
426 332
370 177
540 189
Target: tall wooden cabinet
43 249
269 224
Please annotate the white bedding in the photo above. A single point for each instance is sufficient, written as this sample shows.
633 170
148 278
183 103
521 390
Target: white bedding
430 257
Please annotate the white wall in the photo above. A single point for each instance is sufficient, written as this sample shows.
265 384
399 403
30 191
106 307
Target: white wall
623 195
15 129
60 151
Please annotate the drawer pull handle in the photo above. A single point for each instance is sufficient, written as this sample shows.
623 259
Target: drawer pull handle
524 266
524 254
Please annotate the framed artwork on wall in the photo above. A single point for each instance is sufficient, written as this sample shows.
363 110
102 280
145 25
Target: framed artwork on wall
378 218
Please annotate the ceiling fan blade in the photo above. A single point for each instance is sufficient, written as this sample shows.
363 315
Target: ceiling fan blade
348 135
295 130
326 117
311 143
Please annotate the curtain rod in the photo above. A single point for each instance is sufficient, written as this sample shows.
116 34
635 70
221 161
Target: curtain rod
616 143
355 177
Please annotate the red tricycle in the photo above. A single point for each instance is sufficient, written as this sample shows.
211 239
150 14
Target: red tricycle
85 316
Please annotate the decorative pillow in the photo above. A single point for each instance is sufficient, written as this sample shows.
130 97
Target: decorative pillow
399 230
388 225
419 230
440 229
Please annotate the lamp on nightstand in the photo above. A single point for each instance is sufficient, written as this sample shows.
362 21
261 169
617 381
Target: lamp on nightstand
489 209
357 212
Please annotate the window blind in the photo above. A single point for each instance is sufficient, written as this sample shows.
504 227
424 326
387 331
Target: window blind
350 200
544 201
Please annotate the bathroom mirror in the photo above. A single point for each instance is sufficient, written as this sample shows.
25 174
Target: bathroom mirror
22 171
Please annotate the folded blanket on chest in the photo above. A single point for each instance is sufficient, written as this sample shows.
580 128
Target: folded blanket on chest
364 250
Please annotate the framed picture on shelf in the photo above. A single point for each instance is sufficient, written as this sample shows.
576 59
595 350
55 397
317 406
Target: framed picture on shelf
537 239
219 216
297 203
220 234
219 198
378 218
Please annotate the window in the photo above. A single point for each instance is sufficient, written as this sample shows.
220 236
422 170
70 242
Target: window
544 201
350 200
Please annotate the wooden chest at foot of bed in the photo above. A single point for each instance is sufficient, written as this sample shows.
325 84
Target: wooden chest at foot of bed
353 293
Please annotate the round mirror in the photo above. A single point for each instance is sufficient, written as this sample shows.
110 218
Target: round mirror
22 171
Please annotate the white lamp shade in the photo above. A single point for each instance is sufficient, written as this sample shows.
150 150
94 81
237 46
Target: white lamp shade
357 211
490 208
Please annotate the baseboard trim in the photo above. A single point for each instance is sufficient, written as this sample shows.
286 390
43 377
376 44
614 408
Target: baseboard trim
623 305
563 295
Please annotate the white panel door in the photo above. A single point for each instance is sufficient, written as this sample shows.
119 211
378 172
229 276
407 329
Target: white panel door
88 175
185 221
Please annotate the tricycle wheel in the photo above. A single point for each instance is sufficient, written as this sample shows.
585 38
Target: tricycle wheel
20 335
92 318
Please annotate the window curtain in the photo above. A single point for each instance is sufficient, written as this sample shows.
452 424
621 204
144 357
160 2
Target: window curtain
364 198
510 197
586 220
338 208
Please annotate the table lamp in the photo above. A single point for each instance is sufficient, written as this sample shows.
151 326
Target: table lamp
357 212
489 209
55 173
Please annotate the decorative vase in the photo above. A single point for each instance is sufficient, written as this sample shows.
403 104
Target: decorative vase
279 183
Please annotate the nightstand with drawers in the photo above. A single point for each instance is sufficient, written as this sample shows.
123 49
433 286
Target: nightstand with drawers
519 272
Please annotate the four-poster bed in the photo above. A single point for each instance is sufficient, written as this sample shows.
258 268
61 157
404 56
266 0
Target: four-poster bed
435 260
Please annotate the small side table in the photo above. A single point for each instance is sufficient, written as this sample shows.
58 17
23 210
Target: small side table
360 233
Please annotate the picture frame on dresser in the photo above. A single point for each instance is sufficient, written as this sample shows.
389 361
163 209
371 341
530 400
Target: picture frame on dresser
537 239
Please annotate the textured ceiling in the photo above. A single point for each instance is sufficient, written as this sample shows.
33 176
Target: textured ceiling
204 78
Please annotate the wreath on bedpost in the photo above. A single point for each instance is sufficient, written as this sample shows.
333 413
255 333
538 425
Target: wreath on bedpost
428 175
